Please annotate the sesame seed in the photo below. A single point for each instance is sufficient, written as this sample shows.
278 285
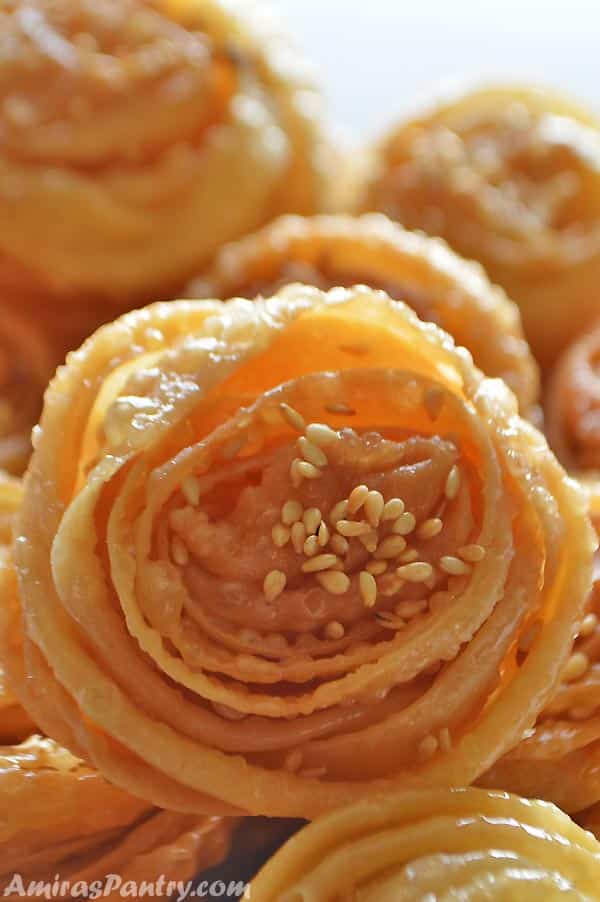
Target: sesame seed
320 562
472 553
368 588
575 667
293 761
280 535
409 609
339 544
430 528
311 546
292 417
349 528
311 519
308 471
369 541
334 582
588 625
295 474
340 407
376 567
416 572
338 512
274 584
323 535
389 621
230 449
374 505
404 524
322 435
408 556
445 739
291 512
335 629
227 712
190 488
393 509
298 534
390 548
452 483
454 566
312 453
179 552
357 498
428 746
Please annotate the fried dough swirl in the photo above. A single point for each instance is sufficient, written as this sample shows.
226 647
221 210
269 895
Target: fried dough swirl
329 251
277 555
509 176
136 136
447 844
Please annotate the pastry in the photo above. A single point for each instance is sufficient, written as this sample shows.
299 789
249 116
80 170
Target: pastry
277 555
139 135
509 176
329 251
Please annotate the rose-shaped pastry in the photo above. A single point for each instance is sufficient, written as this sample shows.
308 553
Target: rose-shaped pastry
278 555
573 404
509 176
331 251
453 844
27 361
139 135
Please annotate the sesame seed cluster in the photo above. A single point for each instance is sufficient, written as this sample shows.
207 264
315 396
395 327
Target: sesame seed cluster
383 527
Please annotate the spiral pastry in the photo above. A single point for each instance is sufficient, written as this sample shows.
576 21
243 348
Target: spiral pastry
139 135
509 176
573 404
27 361
448 844
330 251
311 535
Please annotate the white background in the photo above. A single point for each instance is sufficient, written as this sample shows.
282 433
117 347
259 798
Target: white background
376 58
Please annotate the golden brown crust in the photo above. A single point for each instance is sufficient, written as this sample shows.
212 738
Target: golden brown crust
330 251
254 700
139 136
463 844
509 176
